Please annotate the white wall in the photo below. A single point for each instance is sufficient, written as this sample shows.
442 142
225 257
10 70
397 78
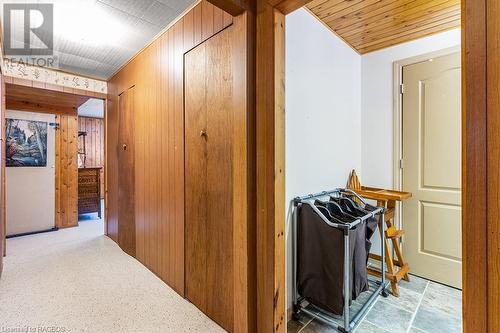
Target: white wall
377 103
30 191
323 111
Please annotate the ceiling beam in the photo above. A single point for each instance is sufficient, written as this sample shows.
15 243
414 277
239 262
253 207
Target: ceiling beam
233 7
288 6
13 104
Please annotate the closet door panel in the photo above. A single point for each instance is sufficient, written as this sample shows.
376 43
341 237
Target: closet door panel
208 178
196 177
126 172
219 179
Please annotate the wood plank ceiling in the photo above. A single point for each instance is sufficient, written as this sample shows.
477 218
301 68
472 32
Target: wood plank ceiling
370 25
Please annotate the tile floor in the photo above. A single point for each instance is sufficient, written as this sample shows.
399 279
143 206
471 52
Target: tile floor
423 307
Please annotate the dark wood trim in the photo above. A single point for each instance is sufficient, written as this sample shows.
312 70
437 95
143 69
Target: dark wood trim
493 162
474 168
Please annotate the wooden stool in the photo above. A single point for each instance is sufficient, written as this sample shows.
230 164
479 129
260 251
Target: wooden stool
387 199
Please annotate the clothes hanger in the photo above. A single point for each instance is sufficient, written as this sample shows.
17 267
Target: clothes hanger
323 210
351 205
336 207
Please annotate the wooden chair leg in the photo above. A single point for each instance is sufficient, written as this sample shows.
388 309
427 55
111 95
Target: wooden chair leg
390 268
399 255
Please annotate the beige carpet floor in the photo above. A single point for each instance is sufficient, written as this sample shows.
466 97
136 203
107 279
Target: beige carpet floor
78 280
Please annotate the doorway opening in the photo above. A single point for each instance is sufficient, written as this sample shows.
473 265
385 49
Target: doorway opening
91 160
342 118
53 136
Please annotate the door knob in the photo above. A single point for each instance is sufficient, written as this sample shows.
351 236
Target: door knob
203 134
124 147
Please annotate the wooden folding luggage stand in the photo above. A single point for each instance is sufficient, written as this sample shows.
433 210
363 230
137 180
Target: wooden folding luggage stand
387 199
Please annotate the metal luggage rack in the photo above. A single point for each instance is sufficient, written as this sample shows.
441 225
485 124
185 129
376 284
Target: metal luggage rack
314 311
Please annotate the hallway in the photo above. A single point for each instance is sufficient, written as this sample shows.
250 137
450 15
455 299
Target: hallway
79 280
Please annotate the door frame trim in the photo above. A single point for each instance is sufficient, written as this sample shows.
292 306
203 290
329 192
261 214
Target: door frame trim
398 118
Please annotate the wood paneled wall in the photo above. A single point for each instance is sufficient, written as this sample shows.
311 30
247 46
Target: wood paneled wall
157 73
94 143
67 171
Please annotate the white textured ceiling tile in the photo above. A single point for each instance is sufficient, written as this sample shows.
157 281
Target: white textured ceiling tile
143 31
116 57
132 7
180 5
80 64
106 70
159 14
97 37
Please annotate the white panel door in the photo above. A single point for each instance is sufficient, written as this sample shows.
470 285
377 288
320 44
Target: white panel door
30 190
432 169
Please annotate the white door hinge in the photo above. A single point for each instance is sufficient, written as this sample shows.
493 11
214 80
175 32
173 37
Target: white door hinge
401 163
402 88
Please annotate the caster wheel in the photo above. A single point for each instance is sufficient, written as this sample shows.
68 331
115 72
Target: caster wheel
385 293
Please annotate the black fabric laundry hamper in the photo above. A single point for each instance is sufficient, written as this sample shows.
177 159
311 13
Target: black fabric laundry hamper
320 261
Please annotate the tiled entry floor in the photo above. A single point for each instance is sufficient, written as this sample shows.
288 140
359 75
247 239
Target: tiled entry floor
422 307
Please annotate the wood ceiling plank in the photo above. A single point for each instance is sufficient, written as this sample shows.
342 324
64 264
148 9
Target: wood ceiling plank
411 36
426 10
392 31
415 29
322 4
333 8
329 28
373 14
339 10
367 25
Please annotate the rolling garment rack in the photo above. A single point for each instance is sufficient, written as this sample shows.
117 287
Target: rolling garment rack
315 310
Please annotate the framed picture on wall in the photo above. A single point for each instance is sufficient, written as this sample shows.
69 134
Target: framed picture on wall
26 143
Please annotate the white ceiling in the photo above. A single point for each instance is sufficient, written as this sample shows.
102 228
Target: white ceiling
96 37
93 107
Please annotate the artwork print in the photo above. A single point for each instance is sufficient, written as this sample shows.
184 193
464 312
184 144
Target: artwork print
26 143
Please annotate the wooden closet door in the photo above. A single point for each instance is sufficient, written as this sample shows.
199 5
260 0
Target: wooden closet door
196 189
208 162
126 172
